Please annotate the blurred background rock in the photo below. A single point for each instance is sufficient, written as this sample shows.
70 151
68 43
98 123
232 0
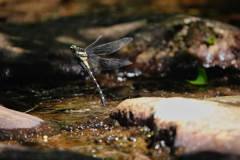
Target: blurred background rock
28 11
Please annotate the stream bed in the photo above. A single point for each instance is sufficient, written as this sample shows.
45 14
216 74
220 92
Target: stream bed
84 124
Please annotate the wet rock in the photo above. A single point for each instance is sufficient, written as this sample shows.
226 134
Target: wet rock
18 125
194 125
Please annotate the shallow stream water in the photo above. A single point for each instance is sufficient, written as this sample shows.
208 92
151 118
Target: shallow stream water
85 124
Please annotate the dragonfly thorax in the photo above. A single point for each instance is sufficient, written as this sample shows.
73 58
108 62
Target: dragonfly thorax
80 53
82 57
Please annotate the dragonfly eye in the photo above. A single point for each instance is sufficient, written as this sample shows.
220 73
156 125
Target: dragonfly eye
73 47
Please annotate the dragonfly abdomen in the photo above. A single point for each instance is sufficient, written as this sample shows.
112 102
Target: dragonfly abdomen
98 87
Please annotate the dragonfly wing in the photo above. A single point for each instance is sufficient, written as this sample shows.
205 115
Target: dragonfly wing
108 48
92 44
93 61
109 64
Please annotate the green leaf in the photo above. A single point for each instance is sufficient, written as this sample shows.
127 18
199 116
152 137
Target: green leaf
201 78
211 40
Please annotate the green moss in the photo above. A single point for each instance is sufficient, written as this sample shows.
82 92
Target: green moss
212 36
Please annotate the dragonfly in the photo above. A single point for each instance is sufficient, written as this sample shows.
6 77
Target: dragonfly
90 58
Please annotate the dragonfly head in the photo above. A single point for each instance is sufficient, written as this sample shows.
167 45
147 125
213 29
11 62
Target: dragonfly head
73 48
76 50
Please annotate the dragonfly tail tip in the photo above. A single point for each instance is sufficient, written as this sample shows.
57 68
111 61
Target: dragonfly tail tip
103 102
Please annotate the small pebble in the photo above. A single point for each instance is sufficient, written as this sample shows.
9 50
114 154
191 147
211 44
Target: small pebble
132 139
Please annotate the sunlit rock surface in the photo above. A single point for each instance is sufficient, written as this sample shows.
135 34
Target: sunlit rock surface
194 125
18 125
200 125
